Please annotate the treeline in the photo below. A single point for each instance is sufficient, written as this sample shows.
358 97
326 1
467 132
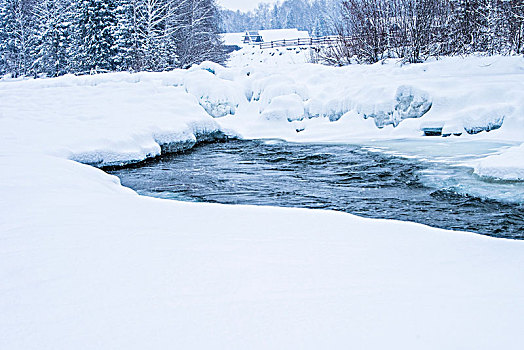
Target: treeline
55 37
315 16
371 30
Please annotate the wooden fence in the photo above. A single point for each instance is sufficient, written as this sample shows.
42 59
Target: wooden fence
320 41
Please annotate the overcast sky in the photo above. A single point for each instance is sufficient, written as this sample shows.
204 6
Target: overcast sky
242 5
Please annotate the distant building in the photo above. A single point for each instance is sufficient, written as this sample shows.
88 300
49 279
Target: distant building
254 37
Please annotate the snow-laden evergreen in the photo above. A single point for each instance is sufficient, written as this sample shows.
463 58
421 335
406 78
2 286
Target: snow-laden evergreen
95 23
55 37
16 37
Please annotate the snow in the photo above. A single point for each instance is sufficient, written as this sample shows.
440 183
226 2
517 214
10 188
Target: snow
287 107
101 120
87 263
509 165
470 95
233 38
219 97
283 34
249 56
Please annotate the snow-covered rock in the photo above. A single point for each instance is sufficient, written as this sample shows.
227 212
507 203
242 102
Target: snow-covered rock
485 118
287 107
219 97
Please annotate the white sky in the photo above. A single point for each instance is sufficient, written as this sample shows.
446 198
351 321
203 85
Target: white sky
242 5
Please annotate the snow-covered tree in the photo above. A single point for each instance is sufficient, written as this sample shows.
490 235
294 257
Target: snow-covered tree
16 35
96 25
52 39
126 38
197 32
156 25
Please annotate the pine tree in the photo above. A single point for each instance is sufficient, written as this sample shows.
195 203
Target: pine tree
96 24
126 36
52 37
16 35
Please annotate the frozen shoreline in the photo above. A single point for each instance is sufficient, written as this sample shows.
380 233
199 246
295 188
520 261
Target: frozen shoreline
292 101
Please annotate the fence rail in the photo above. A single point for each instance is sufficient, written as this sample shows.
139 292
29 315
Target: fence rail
324 41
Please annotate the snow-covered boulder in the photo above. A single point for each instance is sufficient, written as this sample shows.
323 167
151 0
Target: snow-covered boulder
314 108
209 66
267 88
288 107
217 96
452 128
409 102
484 118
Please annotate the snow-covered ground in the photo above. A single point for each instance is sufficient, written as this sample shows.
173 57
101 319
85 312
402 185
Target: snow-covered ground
87 263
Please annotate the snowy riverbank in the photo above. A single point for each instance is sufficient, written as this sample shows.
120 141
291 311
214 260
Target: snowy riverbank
86 263
478 98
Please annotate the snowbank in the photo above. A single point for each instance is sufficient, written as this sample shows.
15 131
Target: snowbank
470 96
219 97
286 107
88 264
509 165
110 119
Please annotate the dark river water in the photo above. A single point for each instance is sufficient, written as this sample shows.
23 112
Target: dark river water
335 177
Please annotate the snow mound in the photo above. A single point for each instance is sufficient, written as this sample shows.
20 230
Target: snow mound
409 102
287 107
485 119
269 87
509 165
219 97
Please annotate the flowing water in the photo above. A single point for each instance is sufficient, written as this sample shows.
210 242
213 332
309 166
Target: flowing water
347 178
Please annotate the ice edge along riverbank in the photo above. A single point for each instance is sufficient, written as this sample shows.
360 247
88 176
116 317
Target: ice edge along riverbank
294 102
